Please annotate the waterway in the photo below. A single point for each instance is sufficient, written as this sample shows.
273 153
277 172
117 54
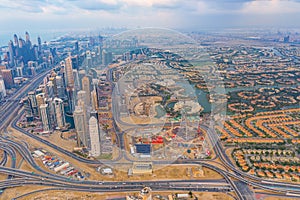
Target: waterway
160 112
203 101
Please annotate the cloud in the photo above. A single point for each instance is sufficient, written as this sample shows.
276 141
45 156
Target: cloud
227 4
201 6
133 13
25 6
93 5
271 7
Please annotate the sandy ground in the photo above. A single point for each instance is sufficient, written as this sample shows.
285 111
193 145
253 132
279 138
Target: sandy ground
65 143
25 166
63 195
34 143
8 163
17 191
280 198
132 119
119 175
173 172
3 176
169 173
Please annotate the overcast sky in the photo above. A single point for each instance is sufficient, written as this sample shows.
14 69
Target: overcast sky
35 15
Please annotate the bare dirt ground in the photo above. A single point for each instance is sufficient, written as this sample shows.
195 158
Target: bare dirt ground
17 191
63 195
120 175
280 198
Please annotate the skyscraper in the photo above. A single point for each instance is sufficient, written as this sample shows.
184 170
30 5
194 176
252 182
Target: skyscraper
21 42
28 110
40 99
76 47
19 71
45 117
60 87
39 44
86 88
59 112
71 95
94 137
49 101
27 40
50 89
2 88
7 78
80 126
16 41
75 62
106 57
81 96
94 99
11 52
88 59
33 102
77 85
69 78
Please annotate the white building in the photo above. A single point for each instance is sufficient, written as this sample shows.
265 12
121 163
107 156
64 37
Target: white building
58 105
81 125
2 88
94 137
81 96
45 117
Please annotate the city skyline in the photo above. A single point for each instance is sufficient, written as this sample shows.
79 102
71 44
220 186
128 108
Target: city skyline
150 99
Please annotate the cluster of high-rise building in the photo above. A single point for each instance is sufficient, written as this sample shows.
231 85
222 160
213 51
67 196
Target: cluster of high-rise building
64 94
23 59
68 99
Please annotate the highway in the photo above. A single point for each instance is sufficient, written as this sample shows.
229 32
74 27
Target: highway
35 179
4 159
8 109
11 111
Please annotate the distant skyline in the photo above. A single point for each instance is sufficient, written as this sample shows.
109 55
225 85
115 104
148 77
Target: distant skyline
61 15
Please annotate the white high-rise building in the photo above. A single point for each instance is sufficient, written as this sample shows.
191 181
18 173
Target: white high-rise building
81 96
2 88
45 117
94 137
58 105
81 125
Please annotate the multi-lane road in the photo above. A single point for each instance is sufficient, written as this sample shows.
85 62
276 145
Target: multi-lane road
11 106
10 110
234 179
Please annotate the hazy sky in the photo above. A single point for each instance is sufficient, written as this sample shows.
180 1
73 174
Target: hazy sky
34 15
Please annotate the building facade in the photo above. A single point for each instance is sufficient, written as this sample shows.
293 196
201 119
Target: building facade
94 137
